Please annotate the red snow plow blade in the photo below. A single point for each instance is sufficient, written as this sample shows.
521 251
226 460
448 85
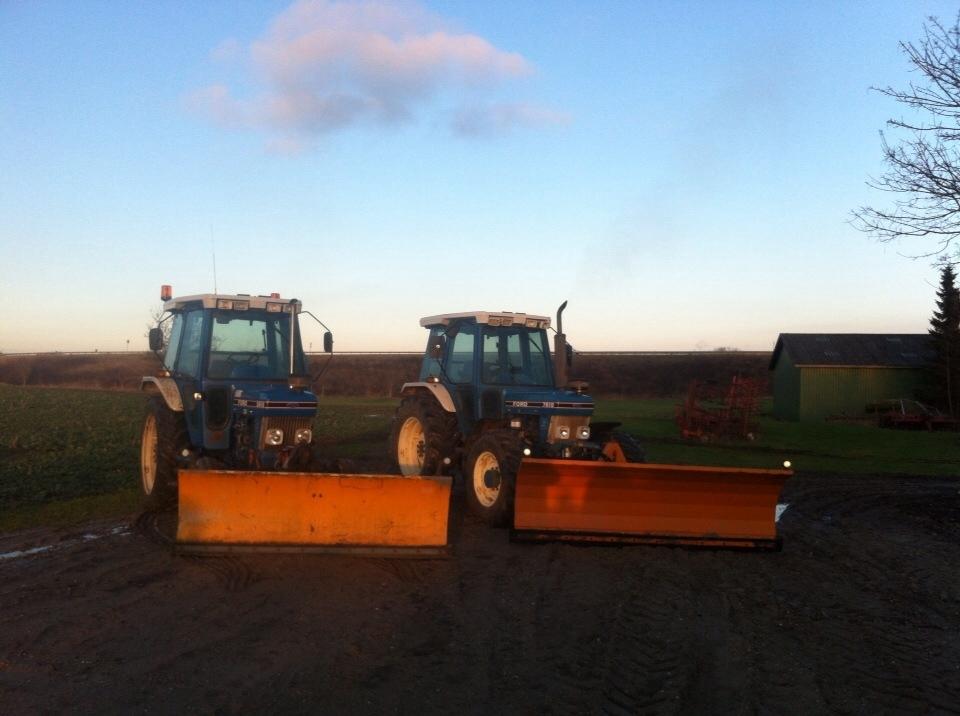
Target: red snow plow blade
643 503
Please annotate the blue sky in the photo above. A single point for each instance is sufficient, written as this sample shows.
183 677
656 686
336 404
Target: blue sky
683 172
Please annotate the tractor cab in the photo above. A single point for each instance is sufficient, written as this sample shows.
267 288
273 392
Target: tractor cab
234 366
497 370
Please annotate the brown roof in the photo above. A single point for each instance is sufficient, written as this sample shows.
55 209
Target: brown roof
896 350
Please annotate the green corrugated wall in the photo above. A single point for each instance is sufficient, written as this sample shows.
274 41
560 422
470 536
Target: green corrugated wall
847 390
786 389
810 394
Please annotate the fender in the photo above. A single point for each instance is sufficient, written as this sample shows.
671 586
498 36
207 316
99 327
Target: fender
439 392
166 387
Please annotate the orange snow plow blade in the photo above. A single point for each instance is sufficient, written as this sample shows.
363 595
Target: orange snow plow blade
646 503
226 510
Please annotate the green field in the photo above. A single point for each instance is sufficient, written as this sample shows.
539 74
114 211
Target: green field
70 455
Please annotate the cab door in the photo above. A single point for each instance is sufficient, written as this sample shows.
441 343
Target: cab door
460 366
188 371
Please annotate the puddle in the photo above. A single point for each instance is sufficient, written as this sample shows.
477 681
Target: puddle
116 531
17 553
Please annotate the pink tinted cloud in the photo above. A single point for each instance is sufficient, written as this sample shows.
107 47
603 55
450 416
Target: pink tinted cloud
323 66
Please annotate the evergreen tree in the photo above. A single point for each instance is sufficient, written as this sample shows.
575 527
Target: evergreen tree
945 341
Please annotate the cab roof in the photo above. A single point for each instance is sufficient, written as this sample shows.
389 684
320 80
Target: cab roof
210 300
499 318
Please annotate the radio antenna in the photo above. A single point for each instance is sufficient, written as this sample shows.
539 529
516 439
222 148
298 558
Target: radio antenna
213 251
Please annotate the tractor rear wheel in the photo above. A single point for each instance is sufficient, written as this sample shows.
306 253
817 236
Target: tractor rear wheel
164 436
423 434
490 476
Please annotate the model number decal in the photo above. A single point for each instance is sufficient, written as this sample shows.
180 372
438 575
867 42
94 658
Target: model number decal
544 404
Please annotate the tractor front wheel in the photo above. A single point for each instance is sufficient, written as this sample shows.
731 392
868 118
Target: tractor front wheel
164 436
619 446
490 476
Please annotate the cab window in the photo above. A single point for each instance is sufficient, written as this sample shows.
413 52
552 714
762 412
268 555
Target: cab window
192 344
173 344
459 367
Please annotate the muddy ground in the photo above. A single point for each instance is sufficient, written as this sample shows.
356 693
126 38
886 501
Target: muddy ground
860 613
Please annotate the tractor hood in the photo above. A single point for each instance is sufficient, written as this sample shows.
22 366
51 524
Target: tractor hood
280 399
528 400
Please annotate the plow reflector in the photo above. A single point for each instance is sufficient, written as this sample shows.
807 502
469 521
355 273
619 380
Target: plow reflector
647 503
224 510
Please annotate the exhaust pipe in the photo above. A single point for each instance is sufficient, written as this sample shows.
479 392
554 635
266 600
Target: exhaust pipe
560 363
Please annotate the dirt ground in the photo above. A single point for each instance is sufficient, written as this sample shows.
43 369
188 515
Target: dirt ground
860 613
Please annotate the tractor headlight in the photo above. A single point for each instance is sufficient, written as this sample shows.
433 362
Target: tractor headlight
303 436
583 432
563 432
274 437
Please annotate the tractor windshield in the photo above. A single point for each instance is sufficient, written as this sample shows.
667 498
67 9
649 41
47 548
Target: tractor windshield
252 345
513 355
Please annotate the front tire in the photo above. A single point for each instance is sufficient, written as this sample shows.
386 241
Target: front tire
423 434
164 436
619 446
490 476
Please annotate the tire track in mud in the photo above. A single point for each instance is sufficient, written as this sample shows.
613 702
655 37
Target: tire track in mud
872 537
569 628
155 526
233 573
633 655
649 664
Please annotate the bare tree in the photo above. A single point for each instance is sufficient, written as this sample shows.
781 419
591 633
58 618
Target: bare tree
923 165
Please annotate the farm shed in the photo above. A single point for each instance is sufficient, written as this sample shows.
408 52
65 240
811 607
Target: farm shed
820 374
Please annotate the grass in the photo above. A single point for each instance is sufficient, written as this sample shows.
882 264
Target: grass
68 455
822 446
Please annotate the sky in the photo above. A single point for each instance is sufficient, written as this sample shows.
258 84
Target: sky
682 173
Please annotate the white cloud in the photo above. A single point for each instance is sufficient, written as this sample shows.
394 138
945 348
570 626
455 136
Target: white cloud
322 66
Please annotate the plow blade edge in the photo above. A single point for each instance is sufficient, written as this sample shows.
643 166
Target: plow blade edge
226 510
646 503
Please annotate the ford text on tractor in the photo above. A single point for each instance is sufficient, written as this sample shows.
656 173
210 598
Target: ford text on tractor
228 439
492 405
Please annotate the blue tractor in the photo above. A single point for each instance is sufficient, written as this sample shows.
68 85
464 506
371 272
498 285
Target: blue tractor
489 395
232 392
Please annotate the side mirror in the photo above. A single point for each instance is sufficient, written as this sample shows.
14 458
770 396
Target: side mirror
437 346
569 356
328 342
156 339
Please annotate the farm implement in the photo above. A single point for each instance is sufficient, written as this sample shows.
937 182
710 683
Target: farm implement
491 404
228 438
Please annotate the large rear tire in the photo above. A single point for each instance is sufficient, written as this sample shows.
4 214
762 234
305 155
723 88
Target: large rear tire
422 435
164 436
490 476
